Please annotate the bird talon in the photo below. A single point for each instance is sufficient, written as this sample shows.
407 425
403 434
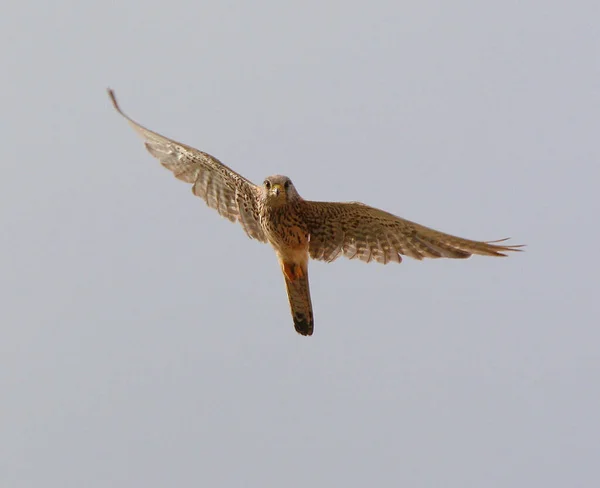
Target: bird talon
293 271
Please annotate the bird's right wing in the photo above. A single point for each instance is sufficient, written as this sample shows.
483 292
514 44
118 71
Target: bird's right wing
355 230
232 195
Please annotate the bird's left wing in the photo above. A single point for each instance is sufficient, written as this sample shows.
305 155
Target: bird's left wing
232 195
355 230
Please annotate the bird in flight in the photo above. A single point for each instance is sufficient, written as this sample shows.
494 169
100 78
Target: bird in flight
297 229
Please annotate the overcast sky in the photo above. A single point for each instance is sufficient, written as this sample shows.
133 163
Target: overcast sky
148 342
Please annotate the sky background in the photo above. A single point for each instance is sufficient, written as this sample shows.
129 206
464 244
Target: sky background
147 342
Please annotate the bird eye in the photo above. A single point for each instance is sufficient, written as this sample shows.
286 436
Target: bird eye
286 185
267 184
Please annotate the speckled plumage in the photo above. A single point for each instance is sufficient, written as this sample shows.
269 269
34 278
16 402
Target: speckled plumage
298 229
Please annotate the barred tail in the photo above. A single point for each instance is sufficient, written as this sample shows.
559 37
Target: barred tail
296 282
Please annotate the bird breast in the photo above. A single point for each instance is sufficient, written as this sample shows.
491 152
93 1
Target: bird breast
284 227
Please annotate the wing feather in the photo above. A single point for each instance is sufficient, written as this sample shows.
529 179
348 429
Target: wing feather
355 230
232 195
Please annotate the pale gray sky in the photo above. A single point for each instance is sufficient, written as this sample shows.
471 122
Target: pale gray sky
147 342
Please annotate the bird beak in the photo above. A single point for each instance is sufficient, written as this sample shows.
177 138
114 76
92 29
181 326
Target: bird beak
276 189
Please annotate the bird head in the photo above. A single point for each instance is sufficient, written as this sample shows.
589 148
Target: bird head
279 190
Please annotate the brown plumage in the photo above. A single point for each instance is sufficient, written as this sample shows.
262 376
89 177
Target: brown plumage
296 285
297 228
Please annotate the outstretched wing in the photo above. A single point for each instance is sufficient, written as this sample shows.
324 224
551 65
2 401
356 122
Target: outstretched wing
232 195
358 231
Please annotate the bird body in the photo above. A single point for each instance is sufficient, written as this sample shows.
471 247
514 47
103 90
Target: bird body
299 229
282 218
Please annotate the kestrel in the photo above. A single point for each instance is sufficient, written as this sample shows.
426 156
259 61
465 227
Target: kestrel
298 229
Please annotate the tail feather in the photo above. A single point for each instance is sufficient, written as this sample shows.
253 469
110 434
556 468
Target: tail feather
296 282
